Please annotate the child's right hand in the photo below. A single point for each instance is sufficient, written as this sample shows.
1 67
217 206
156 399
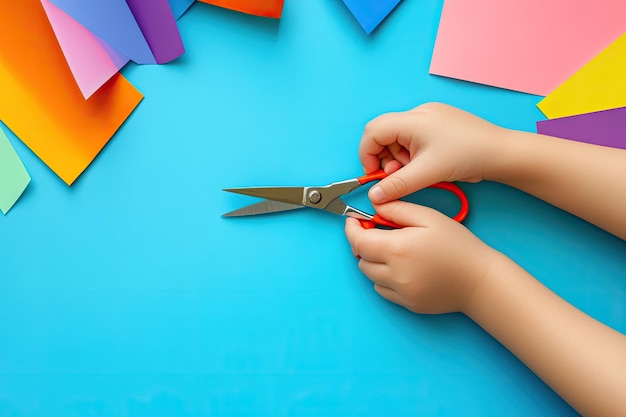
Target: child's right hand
433 142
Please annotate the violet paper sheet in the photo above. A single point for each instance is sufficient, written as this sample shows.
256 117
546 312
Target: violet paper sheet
605 128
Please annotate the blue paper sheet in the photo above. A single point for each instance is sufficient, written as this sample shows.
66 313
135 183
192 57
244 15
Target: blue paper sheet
179 7
370 13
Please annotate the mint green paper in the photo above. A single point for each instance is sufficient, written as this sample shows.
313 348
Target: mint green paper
13 176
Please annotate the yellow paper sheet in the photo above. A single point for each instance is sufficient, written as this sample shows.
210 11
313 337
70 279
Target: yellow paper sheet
599 85
40 101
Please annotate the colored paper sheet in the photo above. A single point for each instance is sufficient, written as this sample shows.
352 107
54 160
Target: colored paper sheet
13 176
370 13
118 60
145 32
91 63
265 8
113 22
158 25
530 46
179 7
40 101
606 128
599 85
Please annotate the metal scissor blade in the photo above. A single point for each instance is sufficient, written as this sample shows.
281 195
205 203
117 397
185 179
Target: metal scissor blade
338 206
291 195
262 207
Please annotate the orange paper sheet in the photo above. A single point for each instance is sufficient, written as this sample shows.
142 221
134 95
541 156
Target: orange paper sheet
266 8
40 101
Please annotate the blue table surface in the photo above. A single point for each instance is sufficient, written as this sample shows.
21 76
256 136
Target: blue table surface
127 293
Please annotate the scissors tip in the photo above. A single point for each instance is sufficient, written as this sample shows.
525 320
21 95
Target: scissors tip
244 191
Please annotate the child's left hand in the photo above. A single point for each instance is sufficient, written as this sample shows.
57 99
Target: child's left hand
431 266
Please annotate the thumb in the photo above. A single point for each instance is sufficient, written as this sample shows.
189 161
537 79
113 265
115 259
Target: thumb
405 214
407 180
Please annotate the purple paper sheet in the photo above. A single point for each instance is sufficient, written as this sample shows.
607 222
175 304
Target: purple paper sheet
606 128
158 25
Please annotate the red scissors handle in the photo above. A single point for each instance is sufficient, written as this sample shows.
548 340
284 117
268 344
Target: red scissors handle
458 192
377 220
374 176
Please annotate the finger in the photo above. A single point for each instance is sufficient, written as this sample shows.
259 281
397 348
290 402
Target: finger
399 153
387 293
381 132
419 173
390 165
407 214
394 157
370 244
378 273
384 157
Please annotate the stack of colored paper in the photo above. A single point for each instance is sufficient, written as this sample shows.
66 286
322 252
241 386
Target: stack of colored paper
590 105
69 130
80 100
572 52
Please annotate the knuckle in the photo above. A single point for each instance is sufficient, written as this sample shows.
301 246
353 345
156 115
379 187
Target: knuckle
371 127
377 124
397 249
356 243
402 284
399 186
426 106
400 252
431 106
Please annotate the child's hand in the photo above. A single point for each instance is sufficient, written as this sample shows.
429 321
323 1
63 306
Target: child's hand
431 266
431 143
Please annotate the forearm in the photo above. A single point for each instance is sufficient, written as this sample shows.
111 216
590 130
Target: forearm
586 180
583 360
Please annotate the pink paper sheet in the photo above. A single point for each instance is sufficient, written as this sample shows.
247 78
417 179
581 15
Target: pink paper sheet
529 45
91 64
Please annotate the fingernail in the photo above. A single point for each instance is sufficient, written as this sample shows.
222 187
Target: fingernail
377 195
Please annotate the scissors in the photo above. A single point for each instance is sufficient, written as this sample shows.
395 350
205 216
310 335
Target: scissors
328 198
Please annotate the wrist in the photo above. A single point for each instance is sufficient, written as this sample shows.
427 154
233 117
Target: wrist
503 155
483 283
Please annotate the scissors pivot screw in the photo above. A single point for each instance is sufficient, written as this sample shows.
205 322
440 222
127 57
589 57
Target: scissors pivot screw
315 196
